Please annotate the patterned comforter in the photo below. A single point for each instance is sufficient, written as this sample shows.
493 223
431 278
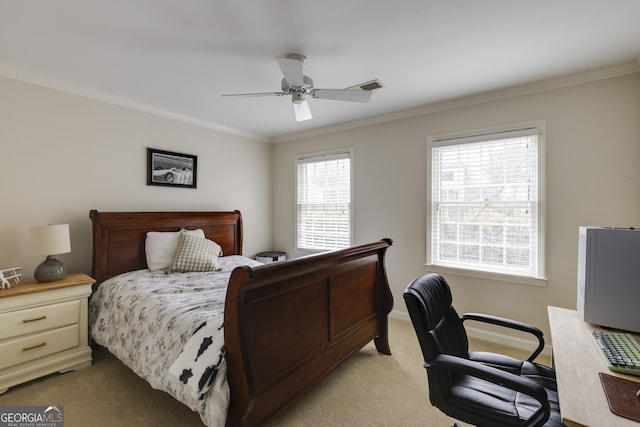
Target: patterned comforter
147 319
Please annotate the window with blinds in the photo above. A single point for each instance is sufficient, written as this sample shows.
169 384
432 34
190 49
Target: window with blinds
485 203
323 201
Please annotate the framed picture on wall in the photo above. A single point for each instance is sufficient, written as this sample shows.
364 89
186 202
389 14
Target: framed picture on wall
170 169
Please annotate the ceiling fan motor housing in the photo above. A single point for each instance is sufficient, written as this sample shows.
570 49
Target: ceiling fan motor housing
306 88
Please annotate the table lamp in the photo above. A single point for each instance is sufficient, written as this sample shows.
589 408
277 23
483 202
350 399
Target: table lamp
50 240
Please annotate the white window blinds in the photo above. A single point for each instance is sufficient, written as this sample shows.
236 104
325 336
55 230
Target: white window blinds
485 207
324 201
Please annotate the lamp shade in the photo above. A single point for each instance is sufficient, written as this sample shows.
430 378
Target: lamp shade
50 239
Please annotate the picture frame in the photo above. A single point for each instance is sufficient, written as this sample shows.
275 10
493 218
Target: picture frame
171 169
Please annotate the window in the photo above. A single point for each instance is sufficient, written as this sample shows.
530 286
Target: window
485 202
323 201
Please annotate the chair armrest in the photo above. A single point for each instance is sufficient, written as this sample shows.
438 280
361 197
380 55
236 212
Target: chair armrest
512 324
500 378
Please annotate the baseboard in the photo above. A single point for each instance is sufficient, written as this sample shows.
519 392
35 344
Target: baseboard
400 315
494 337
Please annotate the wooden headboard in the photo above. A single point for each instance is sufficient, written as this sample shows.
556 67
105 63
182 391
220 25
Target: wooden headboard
119 237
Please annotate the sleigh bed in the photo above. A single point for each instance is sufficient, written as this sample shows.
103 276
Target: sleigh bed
286 324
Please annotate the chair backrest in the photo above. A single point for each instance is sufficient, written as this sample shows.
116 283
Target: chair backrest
439 330
436 322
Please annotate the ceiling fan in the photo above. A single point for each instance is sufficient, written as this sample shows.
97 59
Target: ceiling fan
296 84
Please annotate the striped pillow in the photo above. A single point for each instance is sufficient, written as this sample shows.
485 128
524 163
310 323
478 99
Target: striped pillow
196 253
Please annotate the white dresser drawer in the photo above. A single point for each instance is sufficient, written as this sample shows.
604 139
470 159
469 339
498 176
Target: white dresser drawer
35 346
44 329
36 319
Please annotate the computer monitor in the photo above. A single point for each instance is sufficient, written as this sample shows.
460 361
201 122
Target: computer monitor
609 277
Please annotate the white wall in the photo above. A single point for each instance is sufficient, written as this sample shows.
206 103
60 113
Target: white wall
592 172
62 155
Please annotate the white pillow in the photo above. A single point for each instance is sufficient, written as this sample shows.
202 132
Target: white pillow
161 247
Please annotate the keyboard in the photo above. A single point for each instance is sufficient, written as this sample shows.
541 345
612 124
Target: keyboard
621 351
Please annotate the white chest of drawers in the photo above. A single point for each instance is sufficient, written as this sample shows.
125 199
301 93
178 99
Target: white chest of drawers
44 329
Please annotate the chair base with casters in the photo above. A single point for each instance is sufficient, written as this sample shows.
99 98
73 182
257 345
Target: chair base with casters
480 388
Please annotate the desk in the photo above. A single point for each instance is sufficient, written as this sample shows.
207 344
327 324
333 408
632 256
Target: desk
577 362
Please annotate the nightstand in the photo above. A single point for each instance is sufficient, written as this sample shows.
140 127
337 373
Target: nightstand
44 329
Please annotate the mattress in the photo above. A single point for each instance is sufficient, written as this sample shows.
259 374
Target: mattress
155 323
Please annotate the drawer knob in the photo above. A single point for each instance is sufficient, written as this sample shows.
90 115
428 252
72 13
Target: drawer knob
33 347
34 319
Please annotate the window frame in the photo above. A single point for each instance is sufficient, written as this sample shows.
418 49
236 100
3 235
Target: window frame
348 152
479 135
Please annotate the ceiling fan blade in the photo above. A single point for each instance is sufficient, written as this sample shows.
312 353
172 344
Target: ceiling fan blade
353 95
302 110
256 94
292 69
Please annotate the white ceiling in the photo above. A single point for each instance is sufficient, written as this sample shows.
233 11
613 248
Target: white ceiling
179 57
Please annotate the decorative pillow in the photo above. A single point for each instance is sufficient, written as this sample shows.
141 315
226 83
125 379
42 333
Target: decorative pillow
161 247
196 254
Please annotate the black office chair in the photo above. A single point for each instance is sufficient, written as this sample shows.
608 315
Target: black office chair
479 388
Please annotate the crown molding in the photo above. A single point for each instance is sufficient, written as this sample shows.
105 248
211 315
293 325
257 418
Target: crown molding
49 83
520 90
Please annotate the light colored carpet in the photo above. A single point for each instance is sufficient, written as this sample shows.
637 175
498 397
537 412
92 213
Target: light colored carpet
368 390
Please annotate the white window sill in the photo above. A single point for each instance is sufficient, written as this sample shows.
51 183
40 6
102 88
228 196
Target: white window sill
510 278
304 252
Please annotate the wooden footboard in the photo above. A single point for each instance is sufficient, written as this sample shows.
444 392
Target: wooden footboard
288 324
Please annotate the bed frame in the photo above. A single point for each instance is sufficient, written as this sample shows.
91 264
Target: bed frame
287 324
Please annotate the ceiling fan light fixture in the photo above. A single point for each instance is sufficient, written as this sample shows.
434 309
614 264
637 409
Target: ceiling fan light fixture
297 97
301 109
